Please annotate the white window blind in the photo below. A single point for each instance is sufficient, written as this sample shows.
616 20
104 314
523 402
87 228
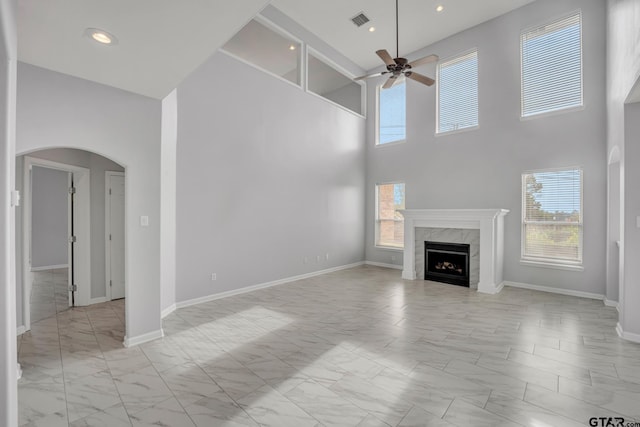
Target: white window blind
458 93
552 216
552 66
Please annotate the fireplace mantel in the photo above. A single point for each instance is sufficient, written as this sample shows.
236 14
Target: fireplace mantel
490 222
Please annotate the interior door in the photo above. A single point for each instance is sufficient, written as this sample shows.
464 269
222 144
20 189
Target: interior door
116 236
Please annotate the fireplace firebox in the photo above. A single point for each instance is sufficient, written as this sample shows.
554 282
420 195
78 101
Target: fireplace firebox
447 263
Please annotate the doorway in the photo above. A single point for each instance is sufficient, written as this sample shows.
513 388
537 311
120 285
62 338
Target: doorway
56 241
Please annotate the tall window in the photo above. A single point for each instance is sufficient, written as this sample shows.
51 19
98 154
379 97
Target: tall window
392 114
552 216
552 66
458 93
390 222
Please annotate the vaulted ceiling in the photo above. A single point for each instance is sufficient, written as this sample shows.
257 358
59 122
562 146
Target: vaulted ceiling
161 41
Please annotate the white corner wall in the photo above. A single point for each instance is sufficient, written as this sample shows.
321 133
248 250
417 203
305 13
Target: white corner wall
168 202
8 351
125 128
482 168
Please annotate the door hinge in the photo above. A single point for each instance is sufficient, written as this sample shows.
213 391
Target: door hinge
72 190
110 283
73 288
72 239
109 236
109 191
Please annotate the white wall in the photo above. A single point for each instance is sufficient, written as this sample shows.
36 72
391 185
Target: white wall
49 220
125 128
8 352
267 175
623 71
482 168
168 201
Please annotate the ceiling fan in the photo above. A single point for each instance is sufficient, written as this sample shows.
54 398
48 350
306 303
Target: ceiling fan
399 67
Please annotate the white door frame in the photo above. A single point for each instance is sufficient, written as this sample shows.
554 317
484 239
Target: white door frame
107 230
82 228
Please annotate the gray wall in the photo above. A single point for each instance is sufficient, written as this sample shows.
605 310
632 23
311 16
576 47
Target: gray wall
49 218
121 126
482 168
97 166
623 71
168 201
267 175
8 351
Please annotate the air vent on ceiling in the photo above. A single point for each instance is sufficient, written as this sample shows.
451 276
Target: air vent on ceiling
360 19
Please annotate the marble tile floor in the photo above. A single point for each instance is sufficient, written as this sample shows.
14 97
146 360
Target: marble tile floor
358 347
49 293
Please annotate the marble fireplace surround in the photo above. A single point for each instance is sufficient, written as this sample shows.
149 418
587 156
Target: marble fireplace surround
489 222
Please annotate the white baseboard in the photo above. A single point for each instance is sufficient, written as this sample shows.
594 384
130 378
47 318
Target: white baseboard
167 311
21 330
383 265
560 291
610 303
50 267
98 300
141 339
627 335
248 289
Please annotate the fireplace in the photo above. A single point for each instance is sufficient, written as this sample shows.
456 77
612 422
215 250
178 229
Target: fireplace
447 263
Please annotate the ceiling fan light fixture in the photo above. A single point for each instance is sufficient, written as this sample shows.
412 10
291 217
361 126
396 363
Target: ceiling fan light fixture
101 36
439 8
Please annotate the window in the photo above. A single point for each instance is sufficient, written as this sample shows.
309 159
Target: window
392 114
552 217
328 82
268 49
552 66
390 222
458 93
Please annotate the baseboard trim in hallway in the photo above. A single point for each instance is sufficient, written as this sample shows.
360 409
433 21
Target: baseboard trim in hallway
141 339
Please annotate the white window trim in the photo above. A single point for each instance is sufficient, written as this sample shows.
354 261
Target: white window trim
438 132
376 220
550 262
363 88
558 111
377 121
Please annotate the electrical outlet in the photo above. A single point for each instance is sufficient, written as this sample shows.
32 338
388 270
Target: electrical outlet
214 276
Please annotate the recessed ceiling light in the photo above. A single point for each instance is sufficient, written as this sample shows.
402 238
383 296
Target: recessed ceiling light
439 8
292 47
101 36
372 29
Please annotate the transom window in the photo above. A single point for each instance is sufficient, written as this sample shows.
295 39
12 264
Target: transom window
552 66
552 217
390 199
458 93
392 114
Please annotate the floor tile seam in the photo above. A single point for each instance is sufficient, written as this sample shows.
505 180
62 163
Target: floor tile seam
64 382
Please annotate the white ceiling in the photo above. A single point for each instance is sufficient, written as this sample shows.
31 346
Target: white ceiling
420 24
162 41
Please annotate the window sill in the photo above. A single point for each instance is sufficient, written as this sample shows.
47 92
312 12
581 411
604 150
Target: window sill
389 248
542 264
391 144
456 131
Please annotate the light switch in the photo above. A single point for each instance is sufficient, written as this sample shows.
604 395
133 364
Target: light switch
144 221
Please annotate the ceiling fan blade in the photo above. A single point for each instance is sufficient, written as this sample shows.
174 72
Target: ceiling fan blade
390 82
422 61
419 78
370 75
386 58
